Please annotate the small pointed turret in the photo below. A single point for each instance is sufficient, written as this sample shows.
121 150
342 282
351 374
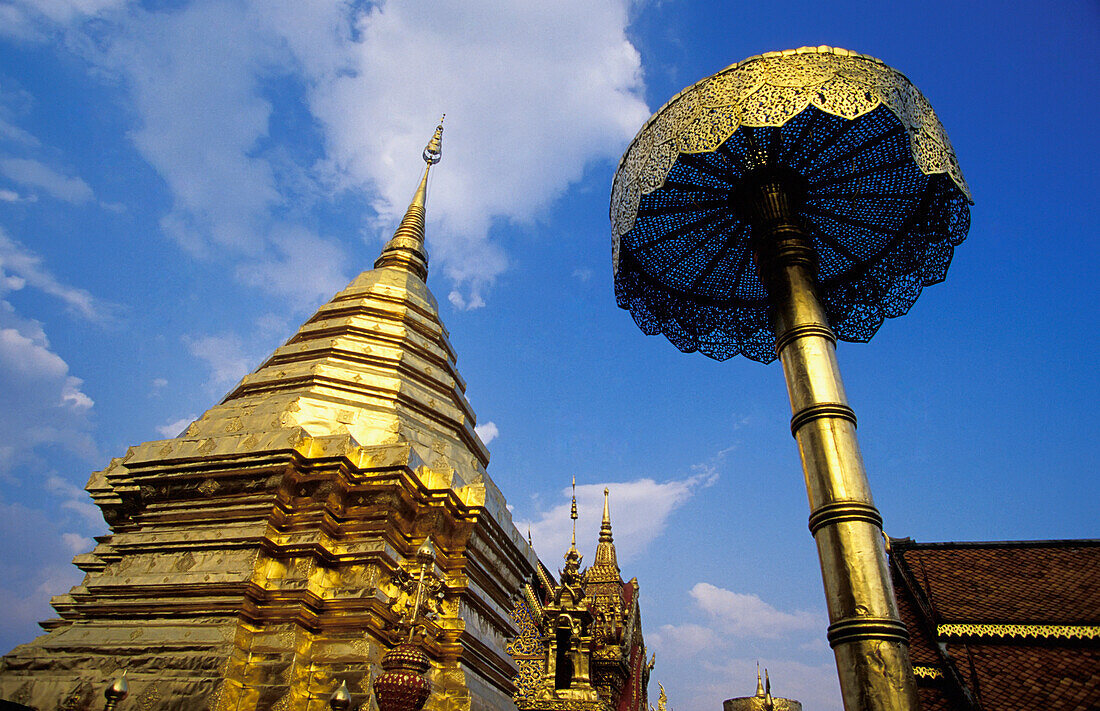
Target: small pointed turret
759 683
406 248
605 526
605 564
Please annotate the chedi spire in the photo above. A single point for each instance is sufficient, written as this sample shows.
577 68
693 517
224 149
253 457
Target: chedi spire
406 248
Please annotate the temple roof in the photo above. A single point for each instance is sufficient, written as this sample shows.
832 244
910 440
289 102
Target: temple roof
1005 625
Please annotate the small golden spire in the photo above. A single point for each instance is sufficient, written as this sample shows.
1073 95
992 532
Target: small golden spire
406 248
769 703
759 683
605 526
573 512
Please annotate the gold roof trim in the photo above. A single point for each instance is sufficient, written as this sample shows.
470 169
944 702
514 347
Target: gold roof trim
769 90
926 672
1022 631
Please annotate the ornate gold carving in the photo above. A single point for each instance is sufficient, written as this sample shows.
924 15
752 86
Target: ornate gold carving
431 601
923 672
1023 631
185 562
209 486
149 698
769 90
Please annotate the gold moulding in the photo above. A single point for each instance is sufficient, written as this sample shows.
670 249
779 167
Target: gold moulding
1021 631
925 672
770 90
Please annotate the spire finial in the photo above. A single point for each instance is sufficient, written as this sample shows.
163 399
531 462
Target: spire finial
759 682
605 526
769 703
406 248
573 511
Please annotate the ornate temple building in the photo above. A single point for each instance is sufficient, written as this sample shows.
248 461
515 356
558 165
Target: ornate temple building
580 646
1011 626
268 553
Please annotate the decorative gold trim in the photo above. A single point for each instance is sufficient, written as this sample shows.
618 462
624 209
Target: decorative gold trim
1024 631
924 672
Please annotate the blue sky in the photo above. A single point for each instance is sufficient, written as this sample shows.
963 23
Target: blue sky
182 183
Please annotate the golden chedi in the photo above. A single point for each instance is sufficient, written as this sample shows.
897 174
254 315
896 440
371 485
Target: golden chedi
265 556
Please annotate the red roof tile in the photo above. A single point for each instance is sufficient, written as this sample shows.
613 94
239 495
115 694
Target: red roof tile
1047 583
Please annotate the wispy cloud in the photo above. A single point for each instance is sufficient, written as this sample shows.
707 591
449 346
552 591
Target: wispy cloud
224 354
174 428
20 267
746 615
35 174
533 96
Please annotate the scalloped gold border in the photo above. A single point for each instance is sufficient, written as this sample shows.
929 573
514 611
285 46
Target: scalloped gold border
1023 631
769 90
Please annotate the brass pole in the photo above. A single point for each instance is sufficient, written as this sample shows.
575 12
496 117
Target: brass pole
869 641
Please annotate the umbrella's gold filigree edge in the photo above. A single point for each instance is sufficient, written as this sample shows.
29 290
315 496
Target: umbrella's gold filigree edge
769 90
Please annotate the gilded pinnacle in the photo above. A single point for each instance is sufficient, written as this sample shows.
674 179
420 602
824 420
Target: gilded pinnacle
406 248
573 512
605 526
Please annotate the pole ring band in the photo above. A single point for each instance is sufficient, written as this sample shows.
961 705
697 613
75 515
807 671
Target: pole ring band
858 629
809 329
819 410
840 511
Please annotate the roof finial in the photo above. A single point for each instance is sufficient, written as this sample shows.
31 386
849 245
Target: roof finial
573 511
605 526
759 682
406 248
769 703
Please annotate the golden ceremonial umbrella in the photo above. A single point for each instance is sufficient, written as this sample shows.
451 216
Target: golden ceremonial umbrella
789 200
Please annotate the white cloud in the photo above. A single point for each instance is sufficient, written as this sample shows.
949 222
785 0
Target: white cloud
12 196
640 510
300 266
224 354
45 403
159 383
77 543
487 432
173 429
534 94
746 615
86 510
35 174
680 641
26 266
